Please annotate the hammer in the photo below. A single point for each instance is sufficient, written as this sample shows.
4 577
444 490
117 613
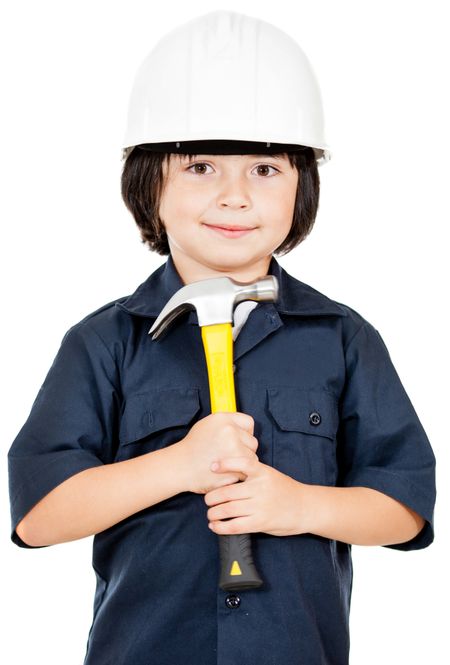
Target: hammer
214 300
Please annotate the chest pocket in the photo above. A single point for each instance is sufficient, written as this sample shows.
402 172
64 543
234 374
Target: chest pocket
304 428
155 419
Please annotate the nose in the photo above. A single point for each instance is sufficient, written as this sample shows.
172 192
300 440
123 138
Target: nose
233 193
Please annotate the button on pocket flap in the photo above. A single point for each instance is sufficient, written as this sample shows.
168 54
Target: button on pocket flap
155 410
312 411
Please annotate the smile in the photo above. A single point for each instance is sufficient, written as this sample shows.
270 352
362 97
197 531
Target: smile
227 233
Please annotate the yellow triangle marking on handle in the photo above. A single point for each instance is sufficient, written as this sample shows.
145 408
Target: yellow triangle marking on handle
235 569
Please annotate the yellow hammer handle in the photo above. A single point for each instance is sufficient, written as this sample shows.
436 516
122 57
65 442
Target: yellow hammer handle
237 570
218 345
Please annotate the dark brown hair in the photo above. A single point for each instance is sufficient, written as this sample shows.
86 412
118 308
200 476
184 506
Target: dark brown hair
142 184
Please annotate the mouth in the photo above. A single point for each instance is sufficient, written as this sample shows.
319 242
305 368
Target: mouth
231 231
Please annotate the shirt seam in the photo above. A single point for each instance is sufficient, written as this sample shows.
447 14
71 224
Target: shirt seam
102 341
21 490
375 471
356 333
116 383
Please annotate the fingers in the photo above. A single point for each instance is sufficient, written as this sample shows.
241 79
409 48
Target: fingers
243 420
243 465
250 441
253 443
233 526
230 479
248 422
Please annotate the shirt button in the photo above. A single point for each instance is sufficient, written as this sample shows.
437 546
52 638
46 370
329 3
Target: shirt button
314 418
232 601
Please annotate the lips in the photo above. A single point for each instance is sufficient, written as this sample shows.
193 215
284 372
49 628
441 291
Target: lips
228 227
233 232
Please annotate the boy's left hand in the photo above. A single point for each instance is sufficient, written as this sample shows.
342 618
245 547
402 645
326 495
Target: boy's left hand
266 501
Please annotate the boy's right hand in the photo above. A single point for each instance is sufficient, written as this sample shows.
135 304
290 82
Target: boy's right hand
221 434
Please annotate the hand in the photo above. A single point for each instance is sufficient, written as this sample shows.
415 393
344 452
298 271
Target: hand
268 501
219 435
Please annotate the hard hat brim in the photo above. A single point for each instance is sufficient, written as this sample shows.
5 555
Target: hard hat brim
222 147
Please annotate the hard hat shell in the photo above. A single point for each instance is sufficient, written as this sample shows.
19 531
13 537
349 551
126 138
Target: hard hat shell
226 76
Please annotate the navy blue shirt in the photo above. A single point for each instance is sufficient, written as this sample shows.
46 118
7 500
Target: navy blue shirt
113 393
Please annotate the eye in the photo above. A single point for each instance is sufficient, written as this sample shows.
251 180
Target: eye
192 166
204 164
267 166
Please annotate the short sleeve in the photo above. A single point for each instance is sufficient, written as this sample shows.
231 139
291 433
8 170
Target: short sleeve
381 442
70 425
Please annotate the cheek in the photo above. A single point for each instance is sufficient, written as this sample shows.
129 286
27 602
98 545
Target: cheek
287 200
185 203
280 205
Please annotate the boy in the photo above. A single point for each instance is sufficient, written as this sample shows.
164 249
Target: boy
120 441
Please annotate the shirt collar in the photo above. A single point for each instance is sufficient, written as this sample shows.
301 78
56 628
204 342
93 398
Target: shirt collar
294 297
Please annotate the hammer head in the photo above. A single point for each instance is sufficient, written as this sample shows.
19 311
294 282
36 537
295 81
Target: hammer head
214 300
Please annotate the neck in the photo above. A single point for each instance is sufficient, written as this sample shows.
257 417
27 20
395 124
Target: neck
191 270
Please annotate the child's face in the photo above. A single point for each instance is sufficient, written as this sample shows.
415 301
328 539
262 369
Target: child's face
257 192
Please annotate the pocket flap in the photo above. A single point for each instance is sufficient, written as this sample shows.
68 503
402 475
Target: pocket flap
311 411
155 410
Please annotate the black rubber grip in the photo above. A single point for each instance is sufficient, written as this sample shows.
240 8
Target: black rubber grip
237 570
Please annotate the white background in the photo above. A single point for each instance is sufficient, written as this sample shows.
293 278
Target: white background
380 245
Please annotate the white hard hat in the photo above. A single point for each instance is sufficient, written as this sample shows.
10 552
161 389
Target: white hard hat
225 76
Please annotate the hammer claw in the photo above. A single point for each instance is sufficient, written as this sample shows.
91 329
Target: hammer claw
214 300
